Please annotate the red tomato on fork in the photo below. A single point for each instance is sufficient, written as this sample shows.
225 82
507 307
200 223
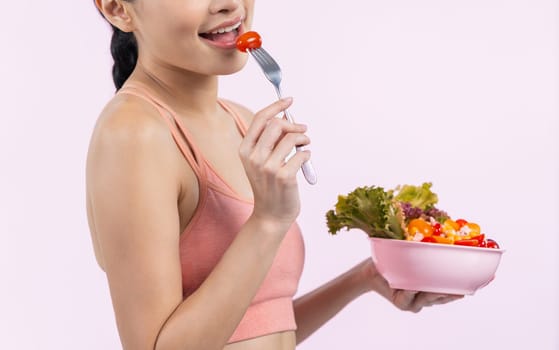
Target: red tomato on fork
249 40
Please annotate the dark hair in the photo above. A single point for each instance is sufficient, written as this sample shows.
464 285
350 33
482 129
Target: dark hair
124 50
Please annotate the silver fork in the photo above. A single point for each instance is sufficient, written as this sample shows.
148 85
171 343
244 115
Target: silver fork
272 71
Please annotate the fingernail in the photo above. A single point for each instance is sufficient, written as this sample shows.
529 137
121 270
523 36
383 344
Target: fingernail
288 99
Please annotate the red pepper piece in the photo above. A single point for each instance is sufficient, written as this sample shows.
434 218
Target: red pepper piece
467 242
479 238
429 239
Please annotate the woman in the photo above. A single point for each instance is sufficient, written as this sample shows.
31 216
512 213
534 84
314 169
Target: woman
191 203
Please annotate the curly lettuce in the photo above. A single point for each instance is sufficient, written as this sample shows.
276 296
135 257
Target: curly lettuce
371 209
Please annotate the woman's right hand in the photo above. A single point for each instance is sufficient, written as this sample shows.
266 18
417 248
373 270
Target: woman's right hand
269 140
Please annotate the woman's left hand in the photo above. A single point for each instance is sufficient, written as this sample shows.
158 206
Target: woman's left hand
405 300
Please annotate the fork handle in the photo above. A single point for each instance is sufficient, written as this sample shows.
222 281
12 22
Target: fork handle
308 170
307 167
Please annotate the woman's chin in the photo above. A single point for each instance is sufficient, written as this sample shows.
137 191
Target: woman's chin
233 66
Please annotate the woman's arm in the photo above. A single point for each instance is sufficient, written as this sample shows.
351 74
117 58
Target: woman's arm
133 186
317 307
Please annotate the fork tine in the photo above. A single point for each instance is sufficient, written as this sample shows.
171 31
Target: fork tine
256 54
270 59
265 58
260 59
262 64
269 66
261 54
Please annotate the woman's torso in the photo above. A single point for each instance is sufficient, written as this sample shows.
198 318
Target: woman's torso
219 145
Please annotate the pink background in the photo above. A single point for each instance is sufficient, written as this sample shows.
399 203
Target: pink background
460 93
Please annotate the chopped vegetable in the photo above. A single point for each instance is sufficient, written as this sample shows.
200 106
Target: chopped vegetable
467 242
421 226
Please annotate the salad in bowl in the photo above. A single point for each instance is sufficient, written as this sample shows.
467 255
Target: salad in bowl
414 244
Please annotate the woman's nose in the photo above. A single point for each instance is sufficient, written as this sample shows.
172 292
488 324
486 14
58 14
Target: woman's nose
224 6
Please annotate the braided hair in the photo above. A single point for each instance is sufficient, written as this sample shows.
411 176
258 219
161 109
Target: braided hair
124 50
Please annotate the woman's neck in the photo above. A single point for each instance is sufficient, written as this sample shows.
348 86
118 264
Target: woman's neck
188 94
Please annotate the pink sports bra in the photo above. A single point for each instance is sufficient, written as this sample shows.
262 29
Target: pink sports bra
220 214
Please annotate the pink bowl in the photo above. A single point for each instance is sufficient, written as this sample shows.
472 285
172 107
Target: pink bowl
433 267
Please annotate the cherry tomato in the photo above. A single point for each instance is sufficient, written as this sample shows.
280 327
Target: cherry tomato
467 242
461 222
421 226
492 244
437 229
249 40
429 240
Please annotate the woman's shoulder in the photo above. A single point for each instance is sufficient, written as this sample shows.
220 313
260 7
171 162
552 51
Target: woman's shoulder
129 116
132 130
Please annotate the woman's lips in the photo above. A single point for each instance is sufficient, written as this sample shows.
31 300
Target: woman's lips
225 40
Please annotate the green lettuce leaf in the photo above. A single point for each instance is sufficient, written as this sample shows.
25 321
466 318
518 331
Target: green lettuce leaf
369 208
418 196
